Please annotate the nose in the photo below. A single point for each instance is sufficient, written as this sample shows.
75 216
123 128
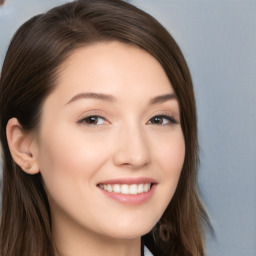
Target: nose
131 148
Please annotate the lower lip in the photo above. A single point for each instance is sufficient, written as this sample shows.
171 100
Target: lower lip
137 199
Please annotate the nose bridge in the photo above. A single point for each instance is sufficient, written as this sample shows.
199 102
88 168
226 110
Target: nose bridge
132 147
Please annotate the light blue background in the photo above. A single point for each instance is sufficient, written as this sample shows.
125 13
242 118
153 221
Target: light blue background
218 39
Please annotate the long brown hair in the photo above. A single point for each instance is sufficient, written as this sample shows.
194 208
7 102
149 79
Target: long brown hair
29 74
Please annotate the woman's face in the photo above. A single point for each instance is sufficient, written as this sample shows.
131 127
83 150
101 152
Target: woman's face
110 146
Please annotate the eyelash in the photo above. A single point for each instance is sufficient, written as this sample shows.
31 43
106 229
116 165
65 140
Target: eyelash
88 118
170 120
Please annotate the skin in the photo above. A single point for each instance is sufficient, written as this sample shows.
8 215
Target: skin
74 156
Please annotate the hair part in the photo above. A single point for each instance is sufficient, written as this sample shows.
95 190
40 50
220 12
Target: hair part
29 75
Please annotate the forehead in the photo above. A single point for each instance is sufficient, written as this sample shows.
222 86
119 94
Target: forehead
114 63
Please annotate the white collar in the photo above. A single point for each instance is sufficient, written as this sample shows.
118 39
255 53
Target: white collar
147 252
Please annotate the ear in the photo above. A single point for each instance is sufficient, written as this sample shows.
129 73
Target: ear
21 145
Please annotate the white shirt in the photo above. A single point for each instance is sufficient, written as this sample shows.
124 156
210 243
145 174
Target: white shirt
147 252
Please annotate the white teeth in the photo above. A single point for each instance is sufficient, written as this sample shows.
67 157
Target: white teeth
117 188
140 188
146 187
125 189
132 189
109 188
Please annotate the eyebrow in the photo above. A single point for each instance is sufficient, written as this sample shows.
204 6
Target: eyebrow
110 98
92 95
163 98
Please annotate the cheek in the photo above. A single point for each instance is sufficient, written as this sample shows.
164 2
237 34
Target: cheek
171 154
69 160
70 166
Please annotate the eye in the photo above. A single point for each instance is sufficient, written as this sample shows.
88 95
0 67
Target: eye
163 120
93 120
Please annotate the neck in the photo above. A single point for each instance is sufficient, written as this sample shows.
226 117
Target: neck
70 241
84 247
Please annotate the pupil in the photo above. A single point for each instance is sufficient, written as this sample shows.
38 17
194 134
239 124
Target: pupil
92 120
157 120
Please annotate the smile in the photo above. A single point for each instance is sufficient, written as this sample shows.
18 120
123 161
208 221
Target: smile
129 191
132 189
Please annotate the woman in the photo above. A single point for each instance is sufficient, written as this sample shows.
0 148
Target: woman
99 137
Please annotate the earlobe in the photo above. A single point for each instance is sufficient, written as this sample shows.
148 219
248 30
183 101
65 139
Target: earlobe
20 145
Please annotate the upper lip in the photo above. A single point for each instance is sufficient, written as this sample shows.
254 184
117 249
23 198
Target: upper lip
129 181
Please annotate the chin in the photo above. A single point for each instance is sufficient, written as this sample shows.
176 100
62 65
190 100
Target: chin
131 231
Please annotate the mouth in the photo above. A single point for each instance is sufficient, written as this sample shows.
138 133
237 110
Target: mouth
131 191
127 189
